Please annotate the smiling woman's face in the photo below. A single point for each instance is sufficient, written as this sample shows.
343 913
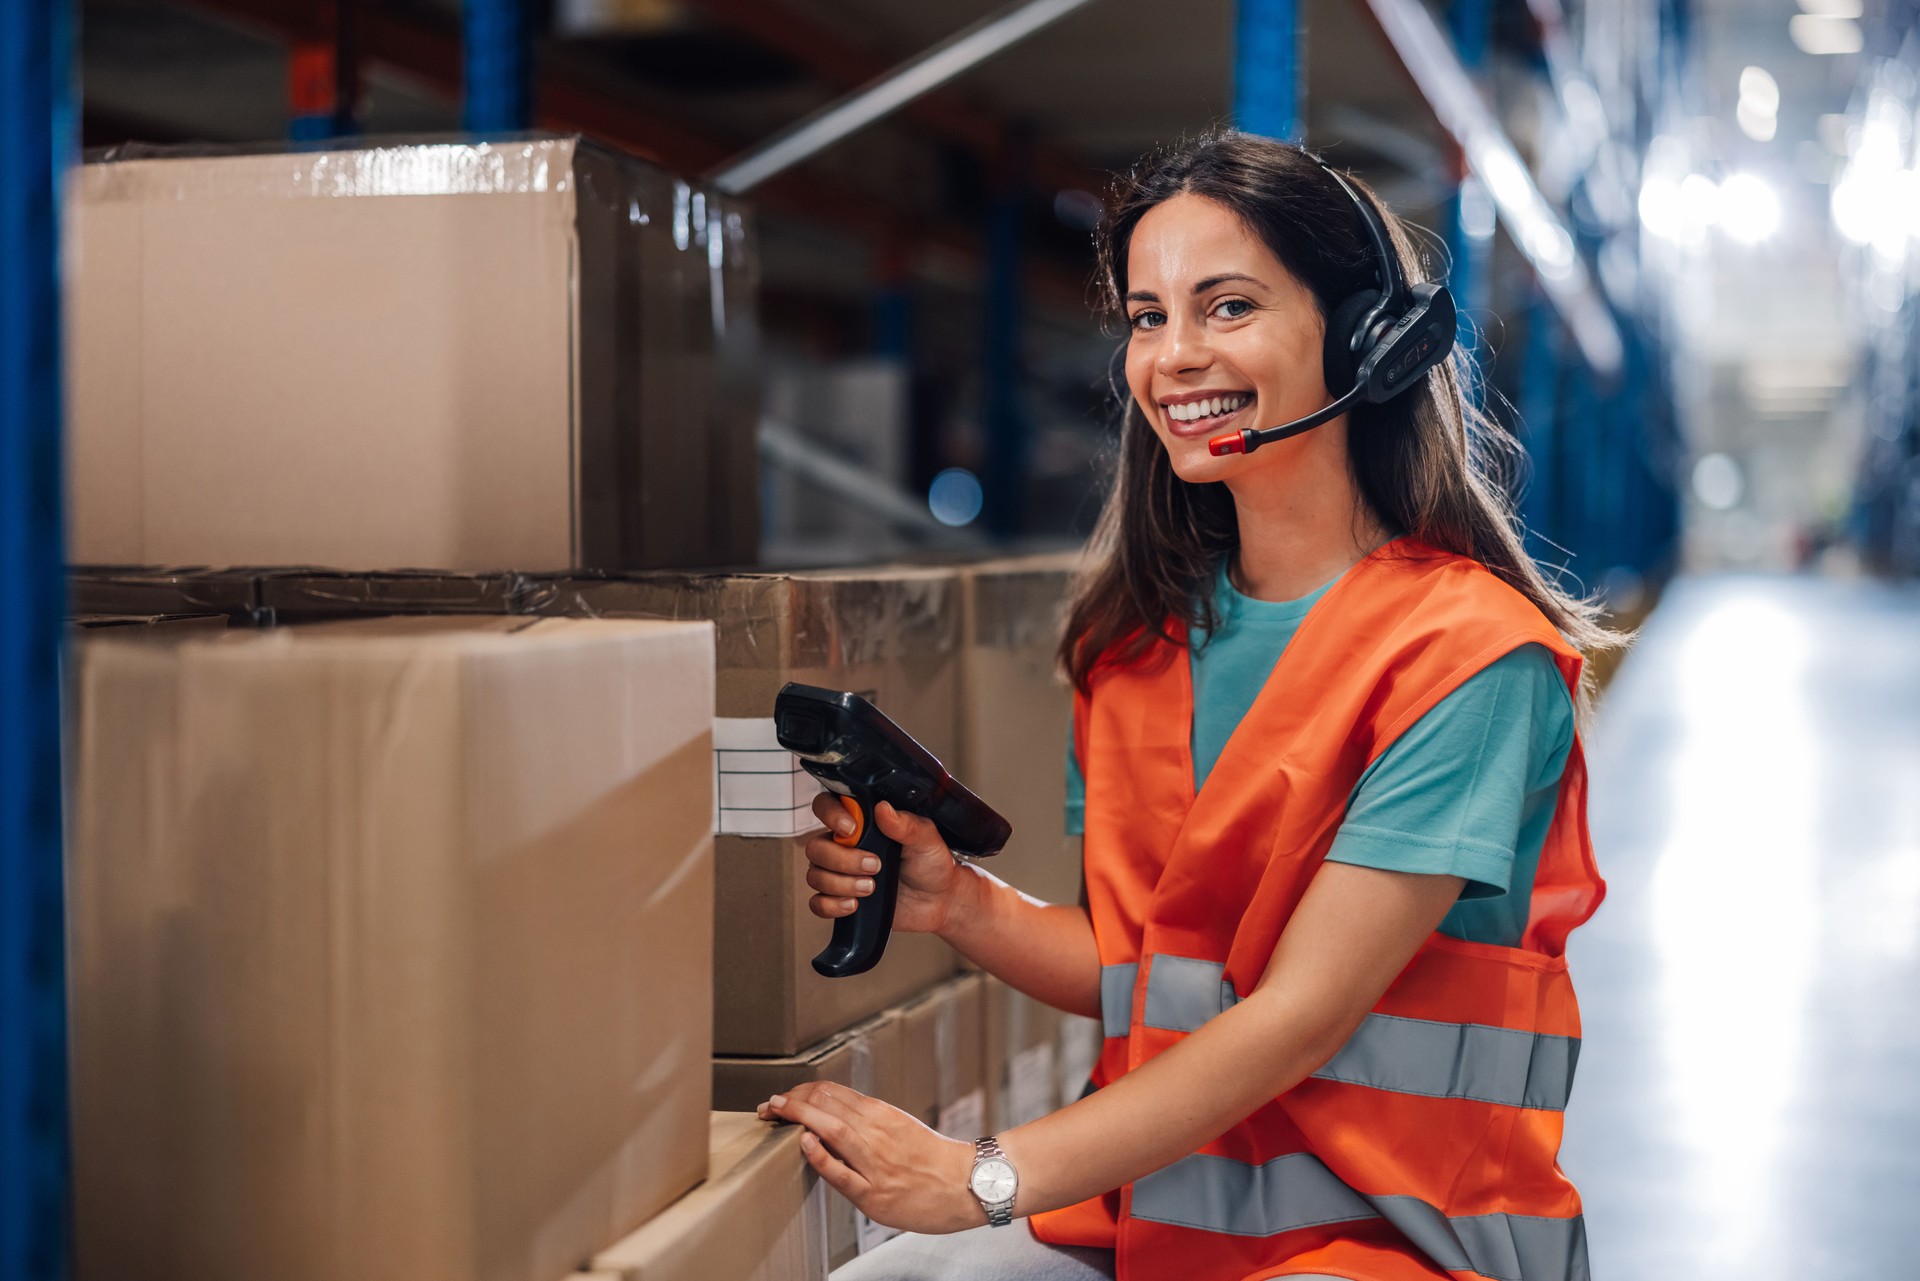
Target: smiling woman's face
1221 337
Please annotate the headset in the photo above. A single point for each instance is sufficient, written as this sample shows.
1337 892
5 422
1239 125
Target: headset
1380 341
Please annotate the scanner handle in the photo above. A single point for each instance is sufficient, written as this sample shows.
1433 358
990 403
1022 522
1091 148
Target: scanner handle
860 940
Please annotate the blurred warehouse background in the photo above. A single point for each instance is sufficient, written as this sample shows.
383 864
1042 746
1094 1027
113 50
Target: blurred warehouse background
1685 236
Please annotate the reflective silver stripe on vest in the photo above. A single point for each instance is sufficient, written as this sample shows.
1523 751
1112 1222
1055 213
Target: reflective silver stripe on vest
1508 1247
1457 1061
1116 998
1387 1052
1183 993
1217 1194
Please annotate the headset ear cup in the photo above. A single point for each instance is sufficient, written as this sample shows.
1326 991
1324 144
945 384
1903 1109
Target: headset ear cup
1338 359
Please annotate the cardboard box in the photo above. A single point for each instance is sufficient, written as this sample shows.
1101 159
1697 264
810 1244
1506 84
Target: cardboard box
943 1039
1022 1040
760 1216
446 355
390 946
869 1057
890 634
926 1056
942 1077
1016 707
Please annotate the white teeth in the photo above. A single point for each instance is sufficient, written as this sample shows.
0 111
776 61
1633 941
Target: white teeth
1211 407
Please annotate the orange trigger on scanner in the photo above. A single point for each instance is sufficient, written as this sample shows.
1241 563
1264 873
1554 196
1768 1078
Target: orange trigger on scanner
859 823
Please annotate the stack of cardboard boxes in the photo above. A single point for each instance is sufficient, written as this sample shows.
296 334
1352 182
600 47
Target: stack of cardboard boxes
443 922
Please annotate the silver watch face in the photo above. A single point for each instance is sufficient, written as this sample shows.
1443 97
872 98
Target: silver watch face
993 1181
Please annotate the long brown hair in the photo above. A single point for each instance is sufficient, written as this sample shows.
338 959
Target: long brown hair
1428 463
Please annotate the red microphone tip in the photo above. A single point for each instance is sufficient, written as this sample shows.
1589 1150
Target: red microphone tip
1221 446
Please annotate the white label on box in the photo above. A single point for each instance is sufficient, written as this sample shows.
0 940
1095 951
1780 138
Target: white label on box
1030 1084
871 1233
965 1117
759 788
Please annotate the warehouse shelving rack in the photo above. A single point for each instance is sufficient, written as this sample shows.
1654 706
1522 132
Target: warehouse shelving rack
35 134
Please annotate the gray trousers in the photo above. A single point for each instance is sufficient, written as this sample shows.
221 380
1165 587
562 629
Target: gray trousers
980 1254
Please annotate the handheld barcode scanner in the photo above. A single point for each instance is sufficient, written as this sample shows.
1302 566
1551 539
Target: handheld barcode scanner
856 752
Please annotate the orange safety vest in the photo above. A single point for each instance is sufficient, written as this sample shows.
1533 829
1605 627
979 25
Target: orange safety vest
1427 1147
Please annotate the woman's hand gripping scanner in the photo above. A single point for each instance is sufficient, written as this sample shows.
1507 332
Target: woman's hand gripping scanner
882 779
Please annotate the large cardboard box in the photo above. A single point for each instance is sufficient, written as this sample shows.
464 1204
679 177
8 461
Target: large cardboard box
1015 710
890 634
390 946
760 1216
448 355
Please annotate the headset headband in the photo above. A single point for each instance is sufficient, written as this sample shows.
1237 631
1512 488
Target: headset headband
1386 263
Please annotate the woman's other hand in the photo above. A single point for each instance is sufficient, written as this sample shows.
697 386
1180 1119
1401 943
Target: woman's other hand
895 1170
930 875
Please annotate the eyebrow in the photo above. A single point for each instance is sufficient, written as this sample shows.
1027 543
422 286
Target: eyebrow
1211 282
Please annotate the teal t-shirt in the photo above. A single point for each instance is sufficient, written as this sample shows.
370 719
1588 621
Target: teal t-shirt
1468 790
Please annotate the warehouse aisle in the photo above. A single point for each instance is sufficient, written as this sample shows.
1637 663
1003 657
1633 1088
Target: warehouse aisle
1747 1094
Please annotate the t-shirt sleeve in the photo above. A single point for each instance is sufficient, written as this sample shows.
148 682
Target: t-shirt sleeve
1448 797
1076 788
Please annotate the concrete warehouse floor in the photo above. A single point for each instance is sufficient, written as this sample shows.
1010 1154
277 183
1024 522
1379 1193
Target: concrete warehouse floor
1746 1099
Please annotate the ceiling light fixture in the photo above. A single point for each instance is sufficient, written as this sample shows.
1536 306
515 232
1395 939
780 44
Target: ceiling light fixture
1820 34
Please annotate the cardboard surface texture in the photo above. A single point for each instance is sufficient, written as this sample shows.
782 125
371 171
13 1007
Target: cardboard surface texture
1016 708
760 1216
892 635
447 355
390 946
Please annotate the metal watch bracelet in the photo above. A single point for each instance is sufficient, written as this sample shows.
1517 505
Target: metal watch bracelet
999 1213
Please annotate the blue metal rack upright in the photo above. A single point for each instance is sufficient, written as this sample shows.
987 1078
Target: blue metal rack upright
498 59
35 140
1266 69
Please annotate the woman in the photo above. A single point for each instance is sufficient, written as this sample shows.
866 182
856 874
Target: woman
1333 807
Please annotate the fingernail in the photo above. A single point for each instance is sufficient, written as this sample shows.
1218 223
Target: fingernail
869 864
842 824
850 903
777 1101
863 886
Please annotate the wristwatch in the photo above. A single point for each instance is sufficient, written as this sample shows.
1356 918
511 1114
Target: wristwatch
993 1181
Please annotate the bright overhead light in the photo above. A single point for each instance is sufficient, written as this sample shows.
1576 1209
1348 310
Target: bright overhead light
1818 34
1761 89
1699 203
1660 207
1749 208
1756 124
1832 8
